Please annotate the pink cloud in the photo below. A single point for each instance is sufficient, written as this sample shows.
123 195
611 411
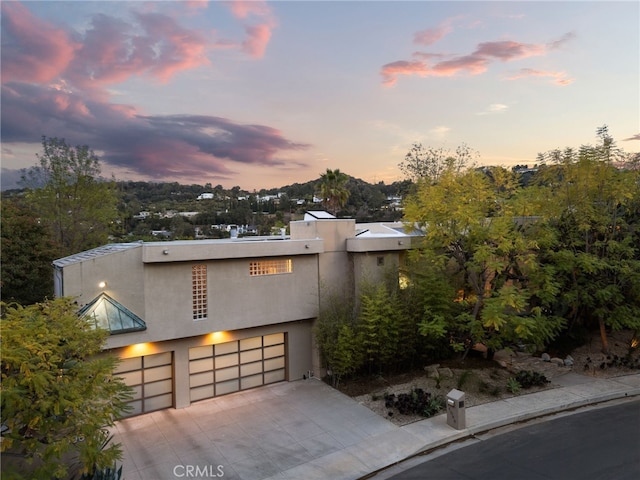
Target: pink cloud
431 35
36 50
115 50
258 37
474 63
509 50
559 78
390 71
243 8
633 137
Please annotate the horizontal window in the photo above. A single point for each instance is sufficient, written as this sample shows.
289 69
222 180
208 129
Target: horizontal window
271 267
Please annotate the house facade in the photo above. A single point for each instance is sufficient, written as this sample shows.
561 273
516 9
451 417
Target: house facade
196 319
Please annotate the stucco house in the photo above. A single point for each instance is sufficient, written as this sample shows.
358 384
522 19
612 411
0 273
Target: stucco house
197 319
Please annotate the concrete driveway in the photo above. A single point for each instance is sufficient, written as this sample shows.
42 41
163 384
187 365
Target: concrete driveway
261 433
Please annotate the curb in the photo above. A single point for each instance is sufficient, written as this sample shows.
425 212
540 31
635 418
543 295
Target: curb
524 417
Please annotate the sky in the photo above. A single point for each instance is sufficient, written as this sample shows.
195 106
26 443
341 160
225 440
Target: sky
265 94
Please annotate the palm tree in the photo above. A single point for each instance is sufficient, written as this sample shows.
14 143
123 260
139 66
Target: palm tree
333 190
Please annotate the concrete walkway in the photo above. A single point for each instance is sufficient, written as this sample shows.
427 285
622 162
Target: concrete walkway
307 430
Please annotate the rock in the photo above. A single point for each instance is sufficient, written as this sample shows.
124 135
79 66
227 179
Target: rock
569 357
545 357
432 370
445 372
557 361
568 362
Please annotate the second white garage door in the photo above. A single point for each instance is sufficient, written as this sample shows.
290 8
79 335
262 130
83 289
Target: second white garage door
232 366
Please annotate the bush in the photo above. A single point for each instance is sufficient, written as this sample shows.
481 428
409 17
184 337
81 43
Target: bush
513 385
530 378
416 402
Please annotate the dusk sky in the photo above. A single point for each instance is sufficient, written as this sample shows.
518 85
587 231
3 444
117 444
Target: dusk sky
264 94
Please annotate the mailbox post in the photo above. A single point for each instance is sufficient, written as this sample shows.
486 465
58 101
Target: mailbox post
456 417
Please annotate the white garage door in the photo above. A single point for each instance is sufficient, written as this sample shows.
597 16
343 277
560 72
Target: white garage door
151 378
232 366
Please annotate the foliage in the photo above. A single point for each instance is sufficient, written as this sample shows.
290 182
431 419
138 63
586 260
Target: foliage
592 211
513 385
26 275
58 391
337 338
379 323
430 163
68 196
531 378
417 401
470 226
333 189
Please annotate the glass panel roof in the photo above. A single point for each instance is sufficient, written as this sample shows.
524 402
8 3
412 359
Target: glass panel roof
112 315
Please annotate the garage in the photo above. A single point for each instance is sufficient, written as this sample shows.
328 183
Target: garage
229 367
151 378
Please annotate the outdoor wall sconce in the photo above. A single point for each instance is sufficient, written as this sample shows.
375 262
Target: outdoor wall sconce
399 242
102 284
165 252
306 245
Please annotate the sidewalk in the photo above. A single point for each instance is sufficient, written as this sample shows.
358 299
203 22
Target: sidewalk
306 429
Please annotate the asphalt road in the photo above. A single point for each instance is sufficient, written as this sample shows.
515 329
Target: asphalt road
602 443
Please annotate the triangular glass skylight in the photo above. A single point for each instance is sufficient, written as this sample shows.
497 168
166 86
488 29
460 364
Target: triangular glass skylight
112 315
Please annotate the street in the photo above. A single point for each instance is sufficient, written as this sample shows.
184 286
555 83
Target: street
602 443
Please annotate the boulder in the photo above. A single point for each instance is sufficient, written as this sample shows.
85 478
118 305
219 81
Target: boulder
545 357
557 361
432 370
445 372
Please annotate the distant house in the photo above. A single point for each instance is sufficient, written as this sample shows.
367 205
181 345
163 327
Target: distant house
197 319
205 196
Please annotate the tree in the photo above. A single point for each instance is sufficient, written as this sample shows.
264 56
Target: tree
333 189
470 226
592 210
26 275
68 196
58 392
429 162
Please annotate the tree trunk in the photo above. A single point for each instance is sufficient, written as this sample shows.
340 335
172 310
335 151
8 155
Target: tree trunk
603 337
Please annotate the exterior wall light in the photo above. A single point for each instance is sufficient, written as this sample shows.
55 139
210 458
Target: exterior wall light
165 252
102 284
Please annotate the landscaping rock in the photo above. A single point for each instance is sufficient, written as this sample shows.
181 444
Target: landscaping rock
568 362
545 357
557 361
445 372
432 370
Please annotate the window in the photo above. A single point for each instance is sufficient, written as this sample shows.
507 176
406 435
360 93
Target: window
380 261
199 291
270 267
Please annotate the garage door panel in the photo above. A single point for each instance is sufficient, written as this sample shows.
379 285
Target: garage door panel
157 373
274 351
250 356
251 343
158 359
199 379
274 376
227 360
273 364
201 365
200 393
237 365
273 339
158 388
250 369
129 364
158 403
226 374
131 378
224 348
229 386
251 382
